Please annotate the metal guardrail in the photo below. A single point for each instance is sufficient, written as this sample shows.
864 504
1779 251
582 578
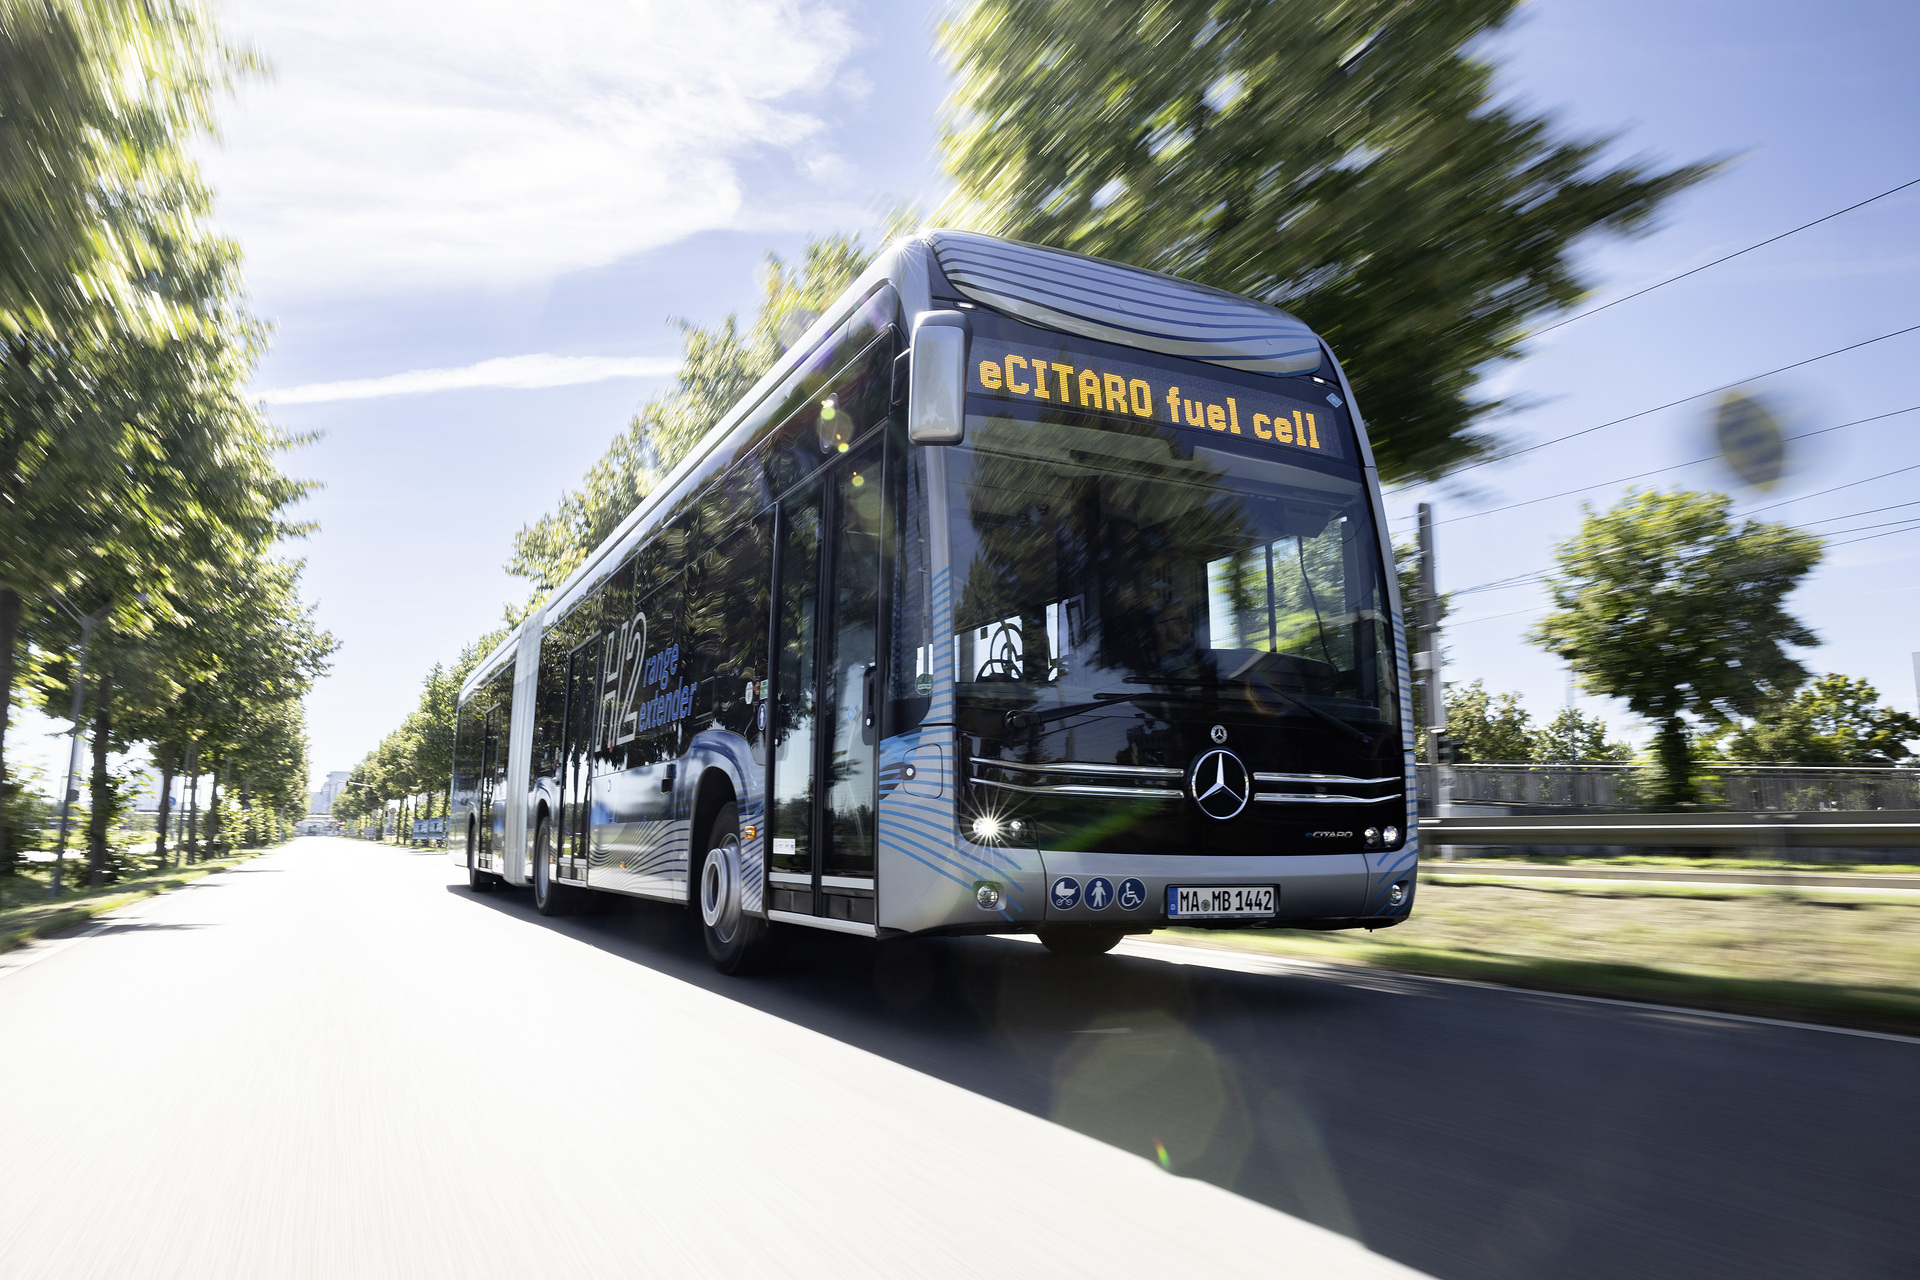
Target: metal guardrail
1881 829
1744 876
1742 787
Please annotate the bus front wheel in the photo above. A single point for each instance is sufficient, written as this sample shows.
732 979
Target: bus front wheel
737 942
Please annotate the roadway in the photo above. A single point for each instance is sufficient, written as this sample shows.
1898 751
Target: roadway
335 1061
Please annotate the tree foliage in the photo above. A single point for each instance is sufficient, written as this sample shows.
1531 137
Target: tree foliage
1349 162
1833 720
97 98
1664 603
1574 737
1495 728
1488 726
138 485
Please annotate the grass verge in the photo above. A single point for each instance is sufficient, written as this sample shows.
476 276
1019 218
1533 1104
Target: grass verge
1777 953
1889 1010
22 924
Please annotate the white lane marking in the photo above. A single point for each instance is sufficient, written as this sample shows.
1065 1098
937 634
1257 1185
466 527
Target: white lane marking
1356 975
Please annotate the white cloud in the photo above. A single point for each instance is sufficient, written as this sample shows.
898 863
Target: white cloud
519 372
403 142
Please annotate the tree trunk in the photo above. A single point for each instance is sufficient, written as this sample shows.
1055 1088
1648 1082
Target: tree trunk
1675 756
168 758
101 793
9 643
193 802
216 817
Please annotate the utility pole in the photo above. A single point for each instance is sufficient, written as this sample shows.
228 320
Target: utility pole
1427 661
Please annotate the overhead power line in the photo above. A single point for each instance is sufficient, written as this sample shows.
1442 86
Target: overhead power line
1642 475
1820 493
1912 528
1728 386
1729 258
1871 511
1539 575
1489 618
1903 526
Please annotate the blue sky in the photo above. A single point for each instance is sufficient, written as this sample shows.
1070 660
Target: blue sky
521 197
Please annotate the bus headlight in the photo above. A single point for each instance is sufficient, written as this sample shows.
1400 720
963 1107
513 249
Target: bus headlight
1391 837
1397 894
986 895
991 829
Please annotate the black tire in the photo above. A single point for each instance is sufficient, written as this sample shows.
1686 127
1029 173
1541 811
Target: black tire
549 897
477 880
1080 942
738 943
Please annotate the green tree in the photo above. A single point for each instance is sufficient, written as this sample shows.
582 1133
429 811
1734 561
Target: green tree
1833 720
1573 737
97 98
1488 727
124 348
1663 603
1349 162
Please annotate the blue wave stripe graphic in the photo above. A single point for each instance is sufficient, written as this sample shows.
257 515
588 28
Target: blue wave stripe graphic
939 834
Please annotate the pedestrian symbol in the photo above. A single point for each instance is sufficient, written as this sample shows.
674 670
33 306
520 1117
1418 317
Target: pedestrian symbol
1099 893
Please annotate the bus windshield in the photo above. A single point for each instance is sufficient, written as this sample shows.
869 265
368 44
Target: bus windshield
1098 559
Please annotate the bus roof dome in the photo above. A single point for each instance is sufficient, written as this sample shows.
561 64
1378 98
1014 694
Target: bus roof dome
1114 303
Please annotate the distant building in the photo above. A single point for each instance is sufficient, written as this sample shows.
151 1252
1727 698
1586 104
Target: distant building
322 800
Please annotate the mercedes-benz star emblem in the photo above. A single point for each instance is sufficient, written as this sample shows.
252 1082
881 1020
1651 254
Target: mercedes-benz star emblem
1220 784
1218 733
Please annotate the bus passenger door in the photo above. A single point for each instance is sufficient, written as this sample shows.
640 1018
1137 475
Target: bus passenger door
573 825
850 692
825 698
793 750
489 766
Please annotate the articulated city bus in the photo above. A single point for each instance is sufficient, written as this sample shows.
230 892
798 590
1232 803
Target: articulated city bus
1028 593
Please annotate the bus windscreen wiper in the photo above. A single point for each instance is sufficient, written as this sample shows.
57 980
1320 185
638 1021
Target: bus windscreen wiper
1017 720
1326 717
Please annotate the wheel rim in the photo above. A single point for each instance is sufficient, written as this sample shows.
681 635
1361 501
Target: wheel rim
720 889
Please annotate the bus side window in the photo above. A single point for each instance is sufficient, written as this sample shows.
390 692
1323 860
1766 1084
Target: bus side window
616 617
550 700
910 667
731 655
466 762
837 414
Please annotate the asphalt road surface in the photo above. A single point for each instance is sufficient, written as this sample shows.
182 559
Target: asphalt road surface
336 1061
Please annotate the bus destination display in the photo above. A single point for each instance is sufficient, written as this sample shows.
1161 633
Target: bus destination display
1071 380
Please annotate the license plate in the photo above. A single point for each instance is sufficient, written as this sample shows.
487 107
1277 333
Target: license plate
1220 901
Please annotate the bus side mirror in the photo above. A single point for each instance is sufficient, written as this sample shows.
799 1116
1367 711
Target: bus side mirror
937 378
